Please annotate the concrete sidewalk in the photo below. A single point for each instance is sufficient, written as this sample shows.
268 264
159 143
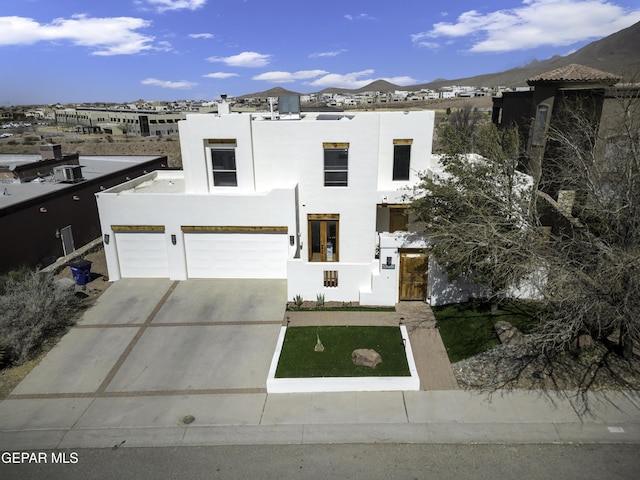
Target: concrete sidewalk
360 417
157 362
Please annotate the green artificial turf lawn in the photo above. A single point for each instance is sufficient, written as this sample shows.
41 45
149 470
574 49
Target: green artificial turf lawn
467 328
299 359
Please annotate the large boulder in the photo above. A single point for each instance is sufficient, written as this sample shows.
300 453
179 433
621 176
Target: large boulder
366 357
507 333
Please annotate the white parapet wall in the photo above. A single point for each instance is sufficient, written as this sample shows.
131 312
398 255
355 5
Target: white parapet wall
343 384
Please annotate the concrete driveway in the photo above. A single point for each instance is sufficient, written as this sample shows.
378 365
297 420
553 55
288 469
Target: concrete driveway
155 335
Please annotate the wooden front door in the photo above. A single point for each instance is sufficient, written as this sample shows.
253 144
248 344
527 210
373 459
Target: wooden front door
413 275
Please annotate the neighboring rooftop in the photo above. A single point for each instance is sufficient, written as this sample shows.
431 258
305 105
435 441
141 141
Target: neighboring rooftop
575 73
93 167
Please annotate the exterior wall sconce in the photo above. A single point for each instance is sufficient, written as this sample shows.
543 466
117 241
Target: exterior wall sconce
292 240
43 210
106 239
57 233
76 198
388 261
174 240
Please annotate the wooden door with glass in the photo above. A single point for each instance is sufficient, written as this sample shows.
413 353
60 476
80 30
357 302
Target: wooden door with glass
323 237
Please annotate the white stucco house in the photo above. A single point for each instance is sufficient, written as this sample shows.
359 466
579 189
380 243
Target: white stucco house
313 198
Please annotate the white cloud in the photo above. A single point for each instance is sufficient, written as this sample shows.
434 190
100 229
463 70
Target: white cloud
180 85
200 35
168 5
244 59
348 80
106 36
334 53
220 75
354 80
403 80
288 77
535 23
360 16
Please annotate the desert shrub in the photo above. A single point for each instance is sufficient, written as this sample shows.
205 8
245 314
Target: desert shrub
34 308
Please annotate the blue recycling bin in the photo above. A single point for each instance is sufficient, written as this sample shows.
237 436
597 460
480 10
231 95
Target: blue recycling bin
81 271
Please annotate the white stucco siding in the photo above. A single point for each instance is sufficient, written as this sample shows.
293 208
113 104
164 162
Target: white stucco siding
142 255
196 130
236 255
175 211
287 151
416 126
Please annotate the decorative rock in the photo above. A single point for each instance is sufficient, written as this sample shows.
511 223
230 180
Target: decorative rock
319 347
507 333
366 357
585 341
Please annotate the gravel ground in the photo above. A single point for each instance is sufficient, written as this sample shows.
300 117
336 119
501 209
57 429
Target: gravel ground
596 368
11 377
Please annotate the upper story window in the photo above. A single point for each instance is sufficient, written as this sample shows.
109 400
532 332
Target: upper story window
336 164
401 158
223 162
540 125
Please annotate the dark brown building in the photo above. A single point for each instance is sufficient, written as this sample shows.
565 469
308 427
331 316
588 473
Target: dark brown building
48 205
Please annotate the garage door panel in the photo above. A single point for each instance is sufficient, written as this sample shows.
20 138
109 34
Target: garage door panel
235 255
142 255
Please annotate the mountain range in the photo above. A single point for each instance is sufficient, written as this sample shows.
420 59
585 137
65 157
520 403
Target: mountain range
618 53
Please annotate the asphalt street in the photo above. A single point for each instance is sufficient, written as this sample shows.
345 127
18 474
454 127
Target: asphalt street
396 461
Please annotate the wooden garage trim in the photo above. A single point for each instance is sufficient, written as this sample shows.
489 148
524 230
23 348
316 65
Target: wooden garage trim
232 229
137 228
221 141
335 144
403 141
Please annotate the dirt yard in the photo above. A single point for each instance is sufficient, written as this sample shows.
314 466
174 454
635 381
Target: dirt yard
29 142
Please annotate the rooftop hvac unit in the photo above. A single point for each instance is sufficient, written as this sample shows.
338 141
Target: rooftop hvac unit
68 173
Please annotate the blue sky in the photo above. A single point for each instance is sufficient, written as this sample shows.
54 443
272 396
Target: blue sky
122 50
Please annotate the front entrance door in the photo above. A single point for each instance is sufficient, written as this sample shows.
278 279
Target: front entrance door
413 275
323 237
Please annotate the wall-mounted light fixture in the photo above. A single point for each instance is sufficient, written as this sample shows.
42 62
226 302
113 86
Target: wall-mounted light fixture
106 239
57 233
388 260
43 210
292 240
76 198
174 240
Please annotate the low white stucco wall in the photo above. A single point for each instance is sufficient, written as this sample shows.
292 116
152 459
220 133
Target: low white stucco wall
343 384
307 280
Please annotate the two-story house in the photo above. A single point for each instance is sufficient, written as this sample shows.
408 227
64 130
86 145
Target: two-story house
312 198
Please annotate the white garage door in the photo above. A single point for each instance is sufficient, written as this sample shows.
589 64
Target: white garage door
142 255
236 255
